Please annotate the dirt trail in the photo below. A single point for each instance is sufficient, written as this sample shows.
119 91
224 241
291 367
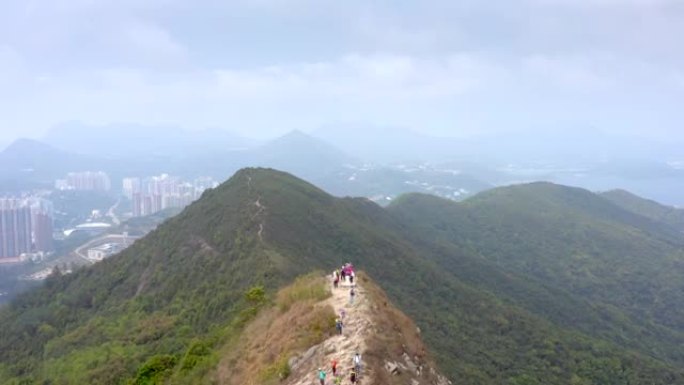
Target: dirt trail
260 209
357 328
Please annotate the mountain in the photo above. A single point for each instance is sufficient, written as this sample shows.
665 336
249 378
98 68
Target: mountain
178 303
647 208
28 163
574 240
300 154
128 139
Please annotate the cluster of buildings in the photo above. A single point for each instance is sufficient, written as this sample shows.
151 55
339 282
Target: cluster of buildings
103 251
26 228
153 194
85 181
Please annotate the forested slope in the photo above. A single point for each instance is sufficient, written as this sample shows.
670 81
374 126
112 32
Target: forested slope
645 207
165 309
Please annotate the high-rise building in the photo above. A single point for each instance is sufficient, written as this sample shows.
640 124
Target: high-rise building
61 184
161 192
147 205
15 228
42 225
156 203
88 181
131 186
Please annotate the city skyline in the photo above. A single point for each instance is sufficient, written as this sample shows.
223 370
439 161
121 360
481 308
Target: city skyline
26 226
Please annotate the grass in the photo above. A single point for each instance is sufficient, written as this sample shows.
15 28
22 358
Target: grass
312 287
297 320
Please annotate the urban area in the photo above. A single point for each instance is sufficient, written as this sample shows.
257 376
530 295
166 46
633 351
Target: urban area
86 218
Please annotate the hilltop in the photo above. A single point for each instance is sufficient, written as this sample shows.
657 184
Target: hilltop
478 285
28 162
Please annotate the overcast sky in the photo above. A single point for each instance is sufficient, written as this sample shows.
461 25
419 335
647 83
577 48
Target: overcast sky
263 67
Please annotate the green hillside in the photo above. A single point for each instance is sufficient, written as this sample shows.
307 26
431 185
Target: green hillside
624 265
164 310
647 208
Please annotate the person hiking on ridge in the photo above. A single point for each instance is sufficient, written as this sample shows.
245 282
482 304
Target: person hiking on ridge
352 293
333 364
336 279
321 376
352 376
338 326
357 362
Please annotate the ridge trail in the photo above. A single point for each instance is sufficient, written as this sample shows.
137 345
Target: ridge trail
260 209
358 327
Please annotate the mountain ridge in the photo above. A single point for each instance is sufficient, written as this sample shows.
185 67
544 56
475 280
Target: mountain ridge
179 295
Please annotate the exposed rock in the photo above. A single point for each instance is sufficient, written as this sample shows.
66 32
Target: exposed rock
410 364
296 361
392 367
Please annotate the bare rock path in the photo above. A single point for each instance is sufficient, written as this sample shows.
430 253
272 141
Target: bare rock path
357 328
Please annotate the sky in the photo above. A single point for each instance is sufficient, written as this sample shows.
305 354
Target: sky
264 67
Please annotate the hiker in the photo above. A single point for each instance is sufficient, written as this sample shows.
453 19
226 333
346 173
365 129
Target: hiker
352 376
351 296
333 364
336 279
351 278
342 314
338 326
321 376
357 362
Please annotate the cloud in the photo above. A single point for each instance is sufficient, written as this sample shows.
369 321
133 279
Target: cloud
567 72
273 65
151 41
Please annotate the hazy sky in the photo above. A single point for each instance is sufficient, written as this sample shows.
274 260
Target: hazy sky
262 67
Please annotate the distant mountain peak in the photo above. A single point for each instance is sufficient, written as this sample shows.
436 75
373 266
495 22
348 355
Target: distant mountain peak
26 145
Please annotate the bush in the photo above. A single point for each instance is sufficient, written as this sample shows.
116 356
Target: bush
155 370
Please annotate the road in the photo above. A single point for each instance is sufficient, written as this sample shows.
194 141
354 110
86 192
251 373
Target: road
112 215
82 251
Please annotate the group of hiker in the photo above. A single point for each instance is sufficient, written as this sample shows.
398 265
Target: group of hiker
345 275
354 371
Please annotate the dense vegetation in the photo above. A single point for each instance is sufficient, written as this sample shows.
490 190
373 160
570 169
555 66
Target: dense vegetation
647 208
618 266
166 308
11 283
